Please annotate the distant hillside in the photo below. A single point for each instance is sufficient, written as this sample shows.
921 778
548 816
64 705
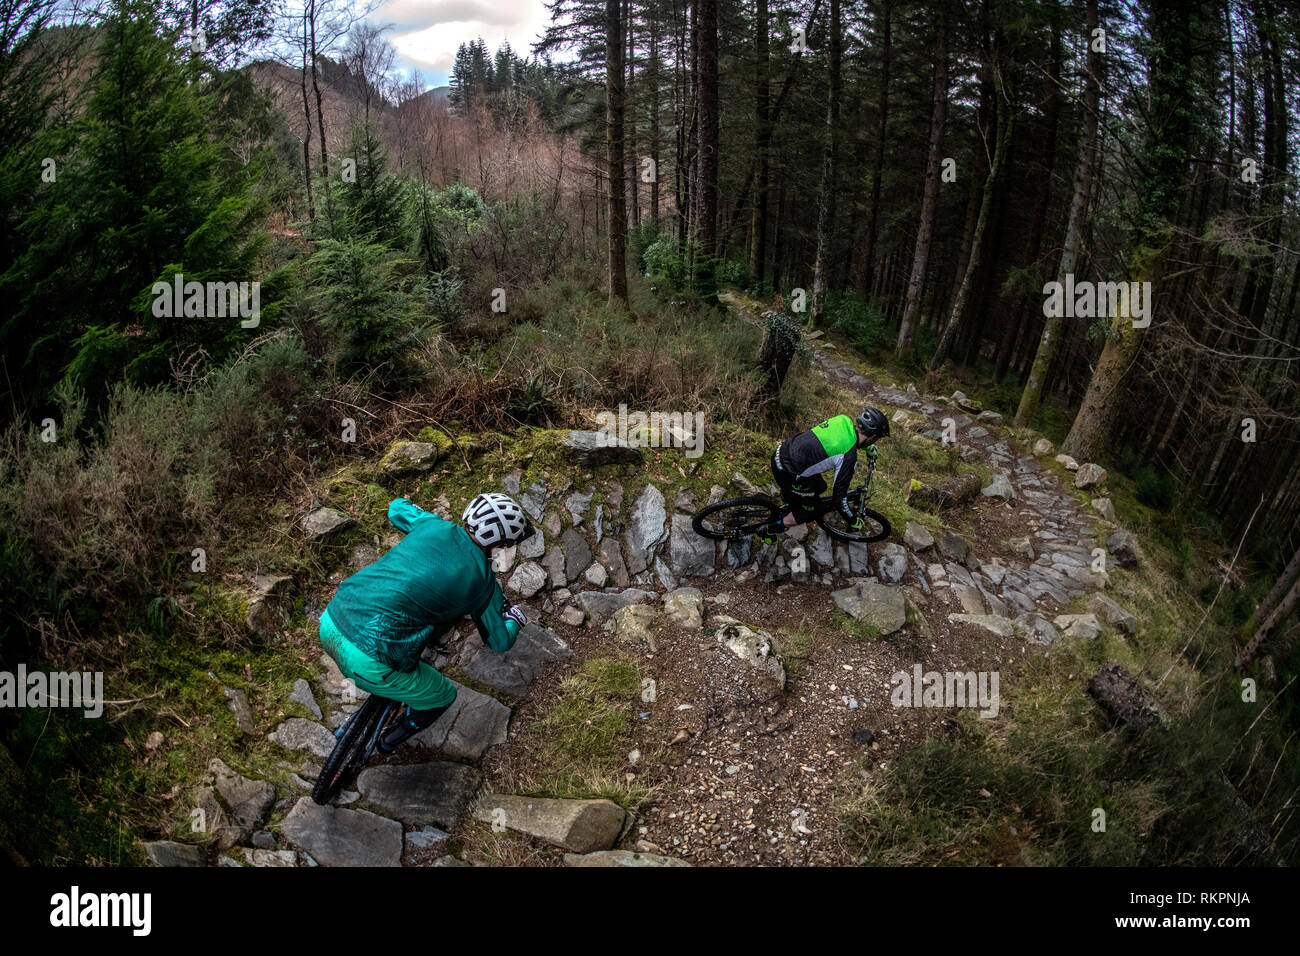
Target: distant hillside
341 96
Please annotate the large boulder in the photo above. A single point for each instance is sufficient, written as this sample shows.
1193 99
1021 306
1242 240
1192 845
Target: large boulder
601 604
1000 487
270 607
878 605
338 837
631 624
171 853
1104 508
594 449
892 563
247 801
1085 626
406 458
324 523
473 723
528 579
755 647
1089 476
1042 447
645 528
580 826
577 554
1112 613
1123 547
298 733
918 537
684 607
691 554
420 794
513 671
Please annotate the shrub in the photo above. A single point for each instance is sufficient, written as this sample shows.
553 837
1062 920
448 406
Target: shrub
862 324
663 261
733 272
367 294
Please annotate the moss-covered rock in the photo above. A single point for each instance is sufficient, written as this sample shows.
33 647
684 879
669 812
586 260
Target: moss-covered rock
406 458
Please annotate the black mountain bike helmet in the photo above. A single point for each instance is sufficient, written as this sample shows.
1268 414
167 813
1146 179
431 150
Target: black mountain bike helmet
873 423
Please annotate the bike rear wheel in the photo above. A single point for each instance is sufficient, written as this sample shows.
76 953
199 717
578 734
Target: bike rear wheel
735 517
350 752
876 526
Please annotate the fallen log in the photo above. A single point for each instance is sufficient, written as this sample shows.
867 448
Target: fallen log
1124 699
959 491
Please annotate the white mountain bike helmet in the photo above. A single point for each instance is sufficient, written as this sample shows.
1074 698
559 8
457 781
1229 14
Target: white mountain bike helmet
495 519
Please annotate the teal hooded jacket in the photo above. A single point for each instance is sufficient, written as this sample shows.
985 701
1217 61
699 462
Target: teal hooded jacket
433 576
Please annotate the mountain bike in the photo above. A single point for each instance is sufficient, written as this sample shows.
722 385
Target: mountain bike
739 517
357 737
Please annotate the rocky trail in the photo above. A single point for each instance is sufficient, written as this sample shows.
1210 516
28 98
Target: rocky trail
760 698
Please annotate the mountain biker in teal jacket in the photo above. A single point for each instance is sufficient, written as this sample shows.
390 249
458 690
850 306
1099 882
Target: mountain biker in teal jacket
798 463
381 617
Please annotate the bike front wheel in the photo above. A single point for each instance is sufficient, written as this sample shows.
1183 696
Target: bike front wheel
735 517
350 752
875 526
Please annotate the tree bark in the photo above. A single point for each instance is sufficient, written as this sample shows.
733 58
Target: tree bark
826 201
762 138
1032 394
614 150
863 268
1279 614
1165 172
1006 124
705 13
930 195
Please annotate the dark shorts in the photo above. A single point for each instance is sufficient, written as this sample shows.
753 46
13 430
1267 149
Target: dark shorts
799 493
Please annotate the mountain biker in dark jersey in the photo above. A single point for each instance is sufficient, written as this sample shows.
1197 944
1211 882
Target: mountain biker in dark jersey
798 463
381 617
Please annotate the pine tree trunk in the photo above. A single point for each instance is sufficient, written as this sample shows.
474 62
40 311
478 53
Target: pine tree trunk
762 137
1279 614
1019 318
306 127
614 150
930 195
629 118
863 268
1006 124
826 201
1032 394
705 13
320 111
1164 174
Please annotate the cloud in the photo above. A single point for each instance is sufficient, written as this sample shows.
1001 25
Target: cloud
427 33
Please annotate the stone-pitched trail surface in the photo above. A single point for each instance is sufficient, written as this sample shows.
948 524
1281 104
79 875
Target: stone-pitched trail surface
747 759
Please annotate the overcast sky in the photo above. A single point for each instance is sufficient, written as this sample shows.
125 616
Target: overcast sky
426 33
